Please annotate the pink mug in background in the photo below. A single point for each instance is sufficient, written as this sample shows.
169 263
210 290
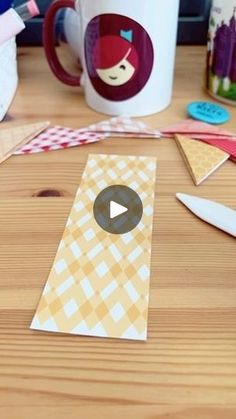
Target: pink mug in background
127 53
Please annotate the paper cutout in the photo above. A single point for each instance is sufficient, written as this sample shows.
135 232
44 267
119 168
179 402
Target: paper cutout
195 128
222 139
12 138
99 283
201 159
125 127
57 137
225 145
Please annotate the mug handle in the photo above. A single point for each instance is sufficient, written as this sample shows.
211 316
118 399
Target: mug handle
49 44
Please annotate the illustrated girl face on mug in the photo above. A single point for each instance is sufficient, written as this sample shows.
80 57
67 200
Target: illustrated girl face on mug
115 60
114 46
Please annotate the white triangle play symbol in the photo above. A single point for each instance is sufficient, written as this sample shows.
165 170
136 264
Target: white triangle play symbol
116 209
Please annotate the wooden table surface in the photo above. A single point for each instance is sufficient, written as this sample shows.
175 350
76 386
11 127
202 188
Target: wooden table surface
187 367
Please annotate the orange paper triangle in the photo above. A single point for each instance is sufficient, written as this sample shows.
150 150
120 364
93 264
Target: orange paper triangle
201 159
14 137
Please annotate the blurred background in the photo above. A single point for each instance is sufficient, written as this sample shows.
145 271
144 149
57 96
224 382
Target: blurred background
193 23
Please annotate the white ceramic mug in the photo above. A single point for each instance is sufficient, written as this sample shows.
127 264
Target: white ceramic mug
128 51
8 75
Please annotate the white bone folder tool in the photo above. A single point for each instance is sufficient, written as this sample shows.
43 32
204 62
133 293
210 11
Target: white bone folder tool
212 212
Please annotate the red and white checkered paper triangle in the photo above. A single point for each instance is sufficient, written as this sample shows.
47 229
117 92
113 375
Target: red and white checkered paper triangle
57 137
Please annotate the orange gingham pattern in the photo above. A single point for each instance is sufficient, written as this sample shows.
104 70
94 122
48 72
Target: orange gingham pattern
99 282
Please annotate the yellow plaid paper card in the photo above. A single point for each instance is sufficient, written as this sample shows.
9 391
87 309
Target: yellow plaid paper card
99 282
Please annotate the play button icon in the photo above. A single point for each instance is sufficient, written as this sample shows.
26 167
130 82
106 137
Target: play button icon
118 209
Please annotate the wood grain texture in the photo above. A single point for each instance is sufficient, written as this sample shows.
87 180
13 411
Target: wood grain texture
187 368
